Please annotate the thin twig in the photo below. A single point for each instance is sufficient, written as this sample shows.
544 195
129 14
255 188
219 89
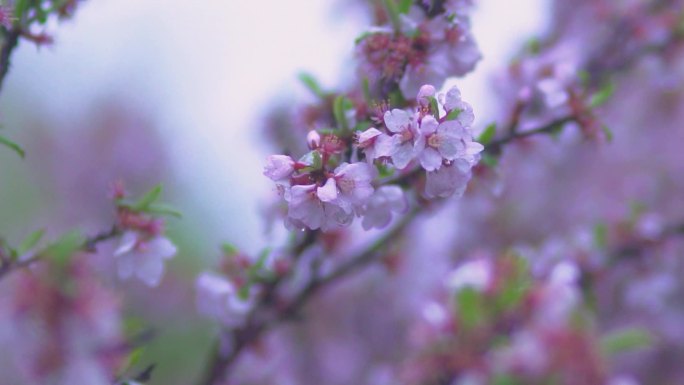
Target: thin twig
88 245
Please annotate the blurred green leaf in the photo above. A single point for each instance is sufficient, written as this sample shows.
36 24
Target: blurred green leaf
12 146
365 86
341 105
312 84
600 235
163 209
30 241
607 132
603 95
132 359
63 248
487 134
490 160
404 6
470 307
229 249
393 13
150 197
625 340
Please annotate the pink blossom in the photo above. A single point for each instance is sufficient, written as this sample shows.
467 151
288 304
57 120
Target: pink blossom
426 92
353 182
448 180
218 299
452 101
439 141
143 258
477 274
307 209
385 201
375 144
279 167
399 123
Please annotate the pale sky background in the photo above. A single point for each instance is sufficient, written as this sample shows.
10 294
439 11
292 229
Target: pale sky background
208 69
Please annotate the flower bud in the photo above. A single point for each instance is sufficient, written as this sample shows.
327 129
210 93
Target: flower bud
313 139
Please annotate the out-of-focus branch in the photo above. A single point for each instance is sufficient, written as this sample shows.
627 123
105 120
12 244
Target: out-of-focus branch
7 266
254 328
10 39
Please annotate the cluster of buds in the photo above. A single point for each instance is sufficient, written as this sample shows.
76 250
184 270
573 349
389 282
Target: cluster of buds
329 185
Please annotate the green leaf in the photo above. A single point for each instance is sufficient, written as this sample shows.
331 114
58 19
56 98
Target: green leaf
317 160
150 197
257 267
13 146
393 14
489 160
365 86
625 340
340 107
607 132
404 6
603 95
434 107
384 171
362 37
453 114
601 235
30 241
534 46
470 307
312 84
162 209
229 249
505 379
487 135
132 359
62 249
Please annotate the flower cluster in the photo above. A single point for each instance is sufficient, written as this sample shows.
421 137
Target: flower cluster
58 331
328 186
427 44
499 323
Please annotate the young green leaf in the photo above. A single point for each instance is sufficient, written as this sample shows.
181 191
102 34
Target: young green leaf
162 209
62 249
470 307
487 135
603 95
404 6
150 197
30 241
13 146
393 13
340 107
312 84
625 340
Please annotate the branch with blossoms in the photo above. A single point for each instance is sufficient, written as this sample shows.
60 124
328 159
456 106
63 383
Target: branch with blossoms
139 228
353 170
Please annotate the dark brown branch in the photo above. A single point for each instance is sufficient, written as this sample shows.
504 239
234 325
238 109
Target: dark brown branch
10 40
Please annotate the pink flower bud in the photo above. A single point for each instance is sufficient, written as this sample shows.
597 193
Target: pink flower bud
279 167
425 93
313 139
